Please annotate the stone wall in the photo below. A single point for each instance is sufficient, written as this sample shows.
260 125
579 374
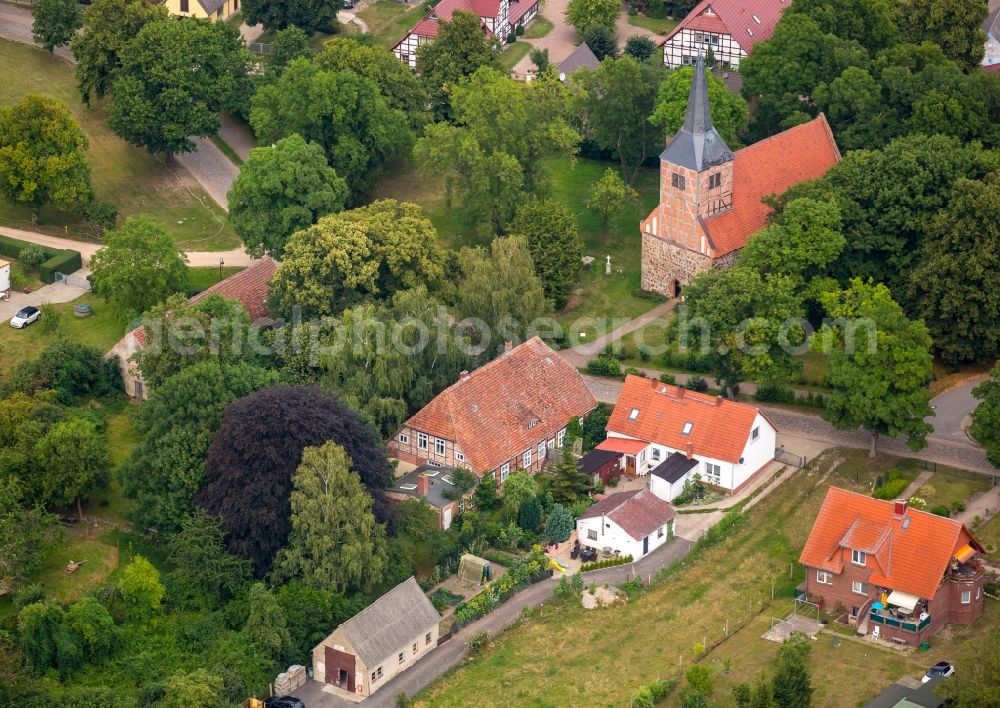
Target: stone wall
726 261
664 262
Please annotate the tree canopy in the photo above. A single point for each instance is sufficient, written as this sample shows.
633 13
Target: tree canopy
309 15
43 155
205 573
158 101
281 189
986 417
256 451
549 228
955 25
56 21
138 267
364 254
583 14
729 110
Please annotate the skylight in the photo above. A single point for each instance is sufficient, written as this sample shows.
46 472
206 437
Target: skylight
431 474
633 414
749 31
408 487
448 480
687 428
756 19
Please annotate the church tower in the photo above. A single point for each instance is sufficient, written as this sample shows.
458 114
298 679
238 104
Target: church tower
696 183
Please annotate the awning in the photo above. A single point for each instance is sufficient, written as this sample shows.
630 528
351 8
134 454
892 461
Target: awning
903 600
965 553
623 445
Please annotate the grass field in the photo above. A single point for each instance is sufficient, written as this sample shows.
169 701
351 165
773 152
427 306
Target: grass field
513 54
947 489
389 21
570 656
123 174
538 28
989 535
653 24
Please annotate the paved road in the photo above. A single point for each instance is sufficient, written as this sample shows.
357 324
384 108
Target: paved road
952 410
237 135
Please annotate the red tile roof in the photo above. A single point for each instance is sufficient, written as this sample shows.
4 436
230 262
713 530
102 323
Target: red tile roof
249 287
770 166
507 406
912 559
736 17
639 513
720 427
623 445
444 10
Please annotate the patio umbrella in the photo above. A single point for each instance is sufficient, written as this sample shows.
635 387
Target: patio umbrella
878 606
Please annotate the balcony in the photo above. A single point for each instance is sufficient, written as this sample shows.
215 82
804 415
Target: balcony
889 620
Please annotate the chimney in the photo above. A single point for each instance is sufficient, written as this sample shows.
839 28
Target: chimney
507 345
464 376
718 400
690 450
680 392
899 507
423 485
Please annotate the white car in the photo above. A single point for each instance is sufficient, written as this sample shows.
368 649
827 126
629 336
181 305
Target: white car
942 669
25 317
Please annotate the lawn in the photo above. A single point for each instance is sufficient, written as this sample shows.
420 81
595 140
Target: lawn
101 559
989 535
950 490
653 24
389 21
203 278
123 174
513 54
538 28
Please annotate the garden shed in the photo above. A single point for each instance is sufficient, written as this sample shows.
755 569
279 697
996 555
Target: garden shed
474 570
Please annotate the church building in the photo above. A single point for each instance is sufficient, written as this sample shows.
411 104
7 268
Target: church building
710 196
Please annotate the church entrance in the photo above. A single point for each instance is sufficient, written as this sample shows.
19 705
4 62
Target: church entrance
676 288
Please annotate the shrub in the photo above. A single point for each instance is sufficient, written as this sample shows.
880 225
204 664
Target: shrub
606 563
940 510
32 256
891 489
478 641
519 31
668 379
51 318
697 383
773 392
613 482
102 214
958 505
604 366
511 38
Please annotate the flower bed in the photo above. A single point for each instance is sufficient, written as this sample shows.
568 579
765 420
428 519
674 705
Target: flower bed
519 575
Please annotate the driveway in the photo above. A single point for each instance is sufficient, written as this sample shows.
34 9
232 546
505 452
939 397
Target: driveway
953 410
54 293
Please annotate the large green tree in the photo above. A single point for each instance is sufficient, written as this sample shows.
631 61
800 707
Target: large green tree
986 416
176 427
138 267
458 51
309 15
27 533
489 170
872 23
879 365
197 688
517 489
569 483
955 25
266 627
954 286
108 25
341 110
159 101
43 155
499 287
583 14
281 189
554 242
363 254
745 323
205 573
729 110
56 21
141 588
610 195
335 542
76 460
613 105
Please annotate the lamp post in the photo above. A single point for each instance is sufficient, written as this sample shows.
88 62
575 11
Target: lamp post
221 263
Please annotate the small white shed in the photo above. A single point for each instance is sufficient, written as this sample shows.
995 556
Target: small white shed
4 277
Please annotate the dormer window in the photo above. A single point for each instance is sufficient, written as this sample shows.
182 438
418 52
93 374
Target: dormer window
633 414
532 423
686 430
859 557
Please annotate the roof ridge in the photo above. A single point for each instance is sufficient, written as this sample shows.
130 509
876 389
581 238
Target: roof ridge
786 131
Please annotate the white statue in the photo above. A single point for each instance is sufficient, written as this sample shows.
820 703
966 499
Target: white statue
607 266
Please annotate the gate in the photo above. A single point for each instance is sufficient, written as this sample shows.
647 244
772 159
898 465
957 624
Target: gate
788 458
75 280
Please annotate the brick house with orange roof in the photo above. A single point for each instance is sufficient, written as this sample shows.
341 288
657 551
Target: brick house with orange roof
671 433
710 197
506 415
249 287
730 28
896 572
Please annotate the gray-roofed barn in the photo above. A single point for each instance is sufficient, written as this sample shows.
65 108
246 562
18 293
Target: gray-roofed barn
581 58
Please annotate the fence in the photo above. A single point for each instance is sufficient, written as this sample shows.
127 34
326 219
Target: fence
75 280
956 472
259 48
788 458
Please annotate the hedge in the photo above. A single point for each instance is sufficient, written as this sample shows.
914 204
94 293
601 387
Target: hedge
57 260
606 563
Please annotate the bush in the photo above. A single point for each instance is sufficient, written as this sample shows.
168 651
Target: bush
958 505
519 31
773 392
940 510
478 641
62 262
604 366
688 361
697 384
103 215
511 38
51 318
32 256
891 489
668 379
605 563
613 482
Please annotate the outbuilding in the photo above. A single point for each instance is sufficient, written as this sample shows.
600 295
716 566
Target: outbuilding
628 523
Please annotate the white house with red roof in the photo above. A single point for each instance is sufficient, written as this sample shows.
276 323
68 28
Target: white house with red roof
730 28
632 523
249 287
672 433
711 198
499 17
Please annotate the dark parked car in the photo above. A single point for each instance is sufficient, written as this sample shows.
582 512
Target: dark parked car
942 669
283 702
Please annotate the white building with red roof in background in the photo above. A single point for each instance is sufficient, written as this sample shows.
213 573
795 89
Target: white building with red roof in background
499 18
672 433
711 198
730 28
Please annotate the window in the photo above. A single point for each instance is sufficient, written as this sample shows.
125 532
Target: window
460 456
427 638
591 535
859 587
439 446
402 657
373 675
659 532
377 673
677 180
966 597
713 473
755 433
715 181
633 414
560 437
824 578
504 471
184 5
414 648
859 557
422 441
686 430
977 592
541 450
526 459
655 453
404 438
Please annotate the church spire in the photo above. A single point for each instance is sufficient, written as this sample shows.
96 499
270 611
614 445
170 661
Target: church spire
697 145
